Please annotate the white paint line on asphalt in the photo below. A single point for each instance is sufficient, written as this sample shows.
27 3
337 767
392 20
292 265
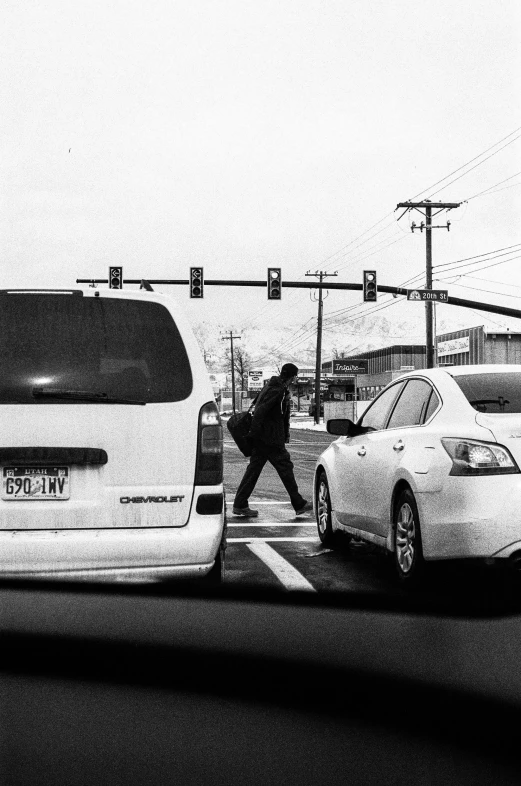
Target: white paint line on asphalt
263 502
283 570
269 524
269 540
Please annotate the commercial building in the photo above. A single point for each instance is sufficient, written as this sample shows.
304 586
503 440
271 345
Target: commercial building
476 345
377 367
383 365
470 346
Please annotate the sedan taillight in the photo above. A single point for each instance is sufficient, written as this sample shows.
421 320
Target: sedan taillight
209 464
472 457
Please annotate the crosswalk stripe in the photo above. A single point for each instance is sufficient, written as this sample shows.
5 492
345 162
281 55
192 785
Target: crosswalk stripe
269 524
269 540
283 570
263 502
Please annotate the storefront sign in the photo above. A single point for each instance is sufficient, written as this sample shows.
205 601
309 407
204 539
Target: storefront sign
347 368
454 346
255 380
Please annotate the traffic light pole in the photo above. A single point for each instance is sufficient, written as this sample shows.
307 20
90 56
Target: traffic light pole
318 365
427 205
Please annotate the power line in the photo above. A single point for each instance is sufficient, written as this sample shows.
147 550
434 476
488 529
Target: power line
478 289
505 188
485 267
327 259
370 252
481 316
477 256
487 280
468 162
476 165
494 186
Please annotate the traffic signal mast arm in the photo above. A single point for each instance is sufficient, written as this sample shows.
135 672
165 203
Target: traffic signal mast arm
453 301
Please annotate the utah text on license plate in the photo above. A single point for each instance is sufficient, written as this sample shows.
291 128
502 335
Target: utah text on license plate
35 483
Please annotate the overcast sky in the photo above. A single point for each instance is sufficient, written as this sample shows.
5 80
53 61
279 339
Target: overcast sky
239 135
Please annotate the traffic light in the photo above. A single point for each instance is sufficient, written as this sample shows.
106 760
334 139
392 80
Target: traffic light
274 283
196 282
115 278
370 286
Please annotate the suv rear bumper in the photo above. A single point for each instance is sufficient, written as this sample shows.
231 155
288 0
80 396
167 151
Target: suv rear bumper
143 554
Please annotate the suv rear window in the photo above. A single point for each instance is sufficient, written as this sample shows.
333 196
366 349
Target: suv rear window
492 393
124 349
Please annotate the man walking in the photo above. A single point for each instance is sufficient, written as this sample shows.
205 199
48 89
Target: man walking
269 434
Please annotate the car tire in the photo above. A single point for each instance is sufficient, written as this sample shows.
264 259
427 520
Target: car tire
215 577
408 559
323 512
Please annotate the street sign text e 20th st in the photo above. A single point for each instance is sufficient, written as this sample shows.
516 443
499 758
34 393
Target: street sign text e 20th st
428 294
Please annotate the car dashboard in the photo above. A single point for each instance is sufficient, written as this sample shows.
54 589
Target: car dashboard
175 684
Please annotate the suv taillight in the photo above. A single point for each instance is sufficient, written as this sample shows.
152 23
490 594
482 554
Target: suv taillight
209 464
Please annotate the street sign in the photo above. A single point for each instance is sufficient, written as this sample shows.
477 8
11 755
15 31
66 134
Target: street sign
255 380
346 368
428 294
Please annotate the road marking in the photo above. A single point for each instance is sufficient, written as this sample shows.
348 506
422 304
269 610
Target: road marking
283 570
263 502
266 540
269 524
311 443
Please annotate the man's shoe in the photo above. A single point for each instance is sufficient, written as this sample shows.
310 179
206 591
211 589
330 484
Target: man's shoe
306 507
246 512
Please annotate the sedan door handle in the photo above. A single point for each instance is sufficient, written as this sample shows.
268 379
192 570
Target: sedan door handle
362 451
399 445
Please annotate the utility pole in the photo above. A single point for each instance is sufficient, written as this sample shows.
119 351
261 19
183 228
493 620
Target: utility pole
428 206
230 338
318 366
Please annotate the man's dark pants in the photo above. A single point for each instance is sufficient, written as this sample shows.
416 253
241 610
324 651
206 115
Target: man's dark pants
280 459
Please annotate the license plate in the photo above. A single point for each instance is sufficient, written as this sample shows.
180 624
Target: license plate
35 483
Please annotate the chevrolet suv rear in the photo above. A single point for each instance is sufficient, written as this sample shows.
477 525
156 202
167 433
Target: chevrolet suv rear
111 451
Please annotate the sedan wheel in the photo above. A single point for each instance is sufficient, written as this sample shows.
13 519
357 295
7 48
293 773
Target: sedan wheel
323 509
408 557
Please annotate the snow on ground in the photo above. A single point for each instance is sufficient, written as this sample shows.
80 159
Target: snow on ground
298 422
307 423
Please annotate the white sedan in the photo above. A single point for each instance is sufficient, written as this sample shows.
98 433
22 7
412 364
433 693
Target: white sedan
431 469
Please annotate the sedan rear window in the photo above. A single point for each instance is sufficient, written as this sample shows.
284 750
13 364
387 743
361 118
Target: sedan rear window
56 348
376 415
412 404
493 393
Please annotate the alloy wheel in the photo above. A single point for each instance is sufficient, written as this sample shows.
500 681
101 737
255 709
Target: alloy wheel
405 538
323 508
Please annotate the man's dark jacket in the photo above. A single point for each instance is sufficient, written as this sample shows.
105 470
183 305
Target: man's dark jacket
271 416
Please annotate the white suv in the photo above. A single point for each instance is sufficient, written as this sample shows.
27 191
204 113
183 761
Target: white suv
111 453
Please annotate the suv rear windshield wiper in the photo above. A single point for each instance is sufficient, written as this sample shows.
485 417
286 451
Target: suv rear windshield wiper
83 395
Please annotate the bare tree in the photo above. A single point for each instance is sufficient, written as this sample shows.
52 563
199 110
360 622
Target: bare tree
242 362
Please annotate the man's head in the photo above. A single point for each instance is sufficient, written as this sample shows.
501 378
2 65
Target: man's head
288 371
